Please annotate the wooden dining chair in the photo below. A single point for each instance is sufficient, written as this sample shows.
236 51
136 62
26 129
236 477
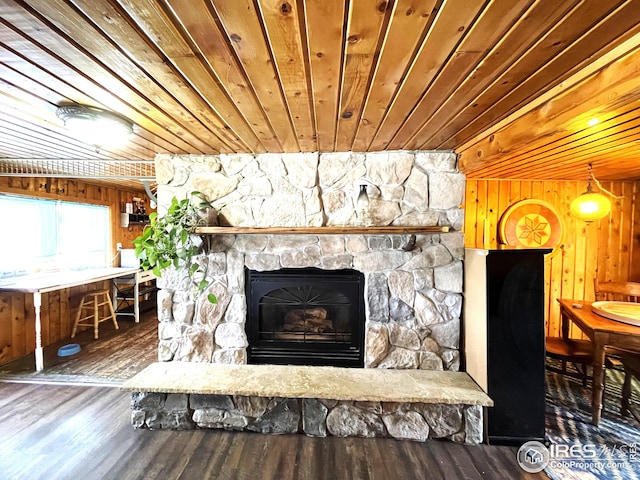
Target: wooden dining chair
617 291
630 361
578 352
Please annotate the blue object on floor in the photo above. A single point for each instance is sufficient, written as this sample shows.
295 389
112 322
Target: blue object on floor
67 350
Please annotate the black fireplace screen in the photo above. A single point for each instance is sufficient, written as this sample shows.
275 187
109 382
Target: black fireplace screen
305 317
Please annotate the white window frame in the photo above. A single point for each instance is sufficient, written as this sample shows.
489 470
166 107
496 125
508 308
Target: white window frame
40 235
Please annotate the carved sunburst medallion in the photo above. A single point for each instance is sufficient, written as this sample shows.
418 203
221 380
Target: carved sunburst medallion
533 230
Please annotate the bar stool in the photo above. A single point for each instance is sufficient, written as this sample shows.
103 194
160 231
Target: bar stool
92 311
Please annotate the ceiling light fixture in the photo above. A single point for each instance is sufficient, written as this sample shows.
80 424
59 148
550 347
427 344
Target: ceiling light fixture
94 125
590 205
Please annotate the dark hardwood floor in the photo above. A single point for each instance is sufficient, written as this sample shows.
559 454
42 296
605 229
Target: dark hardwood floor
60 425
116 356
79 432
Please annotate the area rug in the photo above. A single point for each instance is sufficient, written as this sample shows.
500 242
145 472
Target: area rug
581 450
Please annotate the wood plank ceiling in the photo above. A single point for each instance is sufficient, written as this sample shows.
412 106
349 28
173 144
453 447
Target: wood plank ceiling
508 84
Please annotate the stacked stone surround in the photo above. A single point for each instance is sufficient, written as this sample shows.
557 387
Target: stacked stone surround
310 416
312 190
413 295
412 299
413 291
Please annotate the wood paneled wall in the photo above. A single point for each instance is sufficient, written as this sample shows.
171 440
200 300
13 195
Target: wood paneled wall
608 248
17 317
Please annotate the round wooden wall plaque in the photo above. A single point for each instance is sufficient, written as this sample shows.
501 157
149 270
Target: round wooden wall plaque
531 224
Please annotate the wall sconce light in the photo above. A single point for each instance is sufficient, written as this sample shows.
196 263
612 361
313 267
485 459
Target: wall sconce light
94 125
362 204
590 205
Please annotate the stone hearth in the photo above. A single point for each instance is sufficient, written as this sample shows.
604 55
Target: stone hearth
317 401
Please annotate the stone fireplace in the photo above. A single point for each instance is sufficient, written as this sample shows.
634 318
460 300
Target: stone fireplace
399 319
412 293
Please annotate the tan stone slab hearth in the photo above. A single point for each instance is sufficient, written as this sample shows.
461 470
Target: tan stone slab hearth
288 381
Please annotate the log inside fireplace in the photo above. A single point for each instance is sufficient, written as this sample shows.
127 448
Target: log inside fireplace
305 316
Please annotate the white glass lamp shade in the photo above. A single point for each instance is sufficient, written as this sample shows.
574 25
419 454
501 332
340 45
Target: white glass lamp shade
95 126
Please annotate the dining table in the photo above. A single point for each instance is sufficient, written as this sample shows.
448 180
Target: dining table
604 333
44 282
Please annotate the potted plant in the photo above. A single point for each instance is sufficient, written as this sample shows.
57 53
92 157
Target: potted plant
170 240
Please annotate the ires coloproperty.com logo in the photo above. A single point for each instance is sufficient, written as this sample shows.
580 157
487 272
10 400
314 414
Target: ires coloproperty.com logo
534 456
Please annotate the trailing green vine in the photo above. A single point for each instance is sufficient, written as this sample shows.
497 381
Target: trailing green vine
170 240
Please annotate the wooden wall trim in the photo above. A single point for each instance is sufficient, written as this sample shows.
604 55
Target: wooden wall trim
50 196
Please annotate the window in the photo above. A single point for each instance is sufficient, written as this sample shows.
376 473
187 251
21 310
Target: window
48 234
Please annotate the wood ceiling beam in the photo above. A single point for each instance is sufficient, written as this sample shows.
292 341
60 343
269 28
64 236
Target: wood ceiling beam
408 26
450 24
243 27
325 37
282 26
366 25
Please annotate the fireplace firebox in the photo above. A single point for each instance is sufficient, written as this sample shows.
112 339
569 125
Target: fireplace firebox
305 316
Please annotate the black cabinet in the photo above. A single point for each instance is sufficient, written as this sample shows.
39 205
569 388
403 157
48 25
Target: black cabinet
513 310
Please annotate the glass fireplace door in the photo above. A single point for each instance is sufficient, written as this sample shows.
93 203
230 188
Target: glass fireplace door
305 316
